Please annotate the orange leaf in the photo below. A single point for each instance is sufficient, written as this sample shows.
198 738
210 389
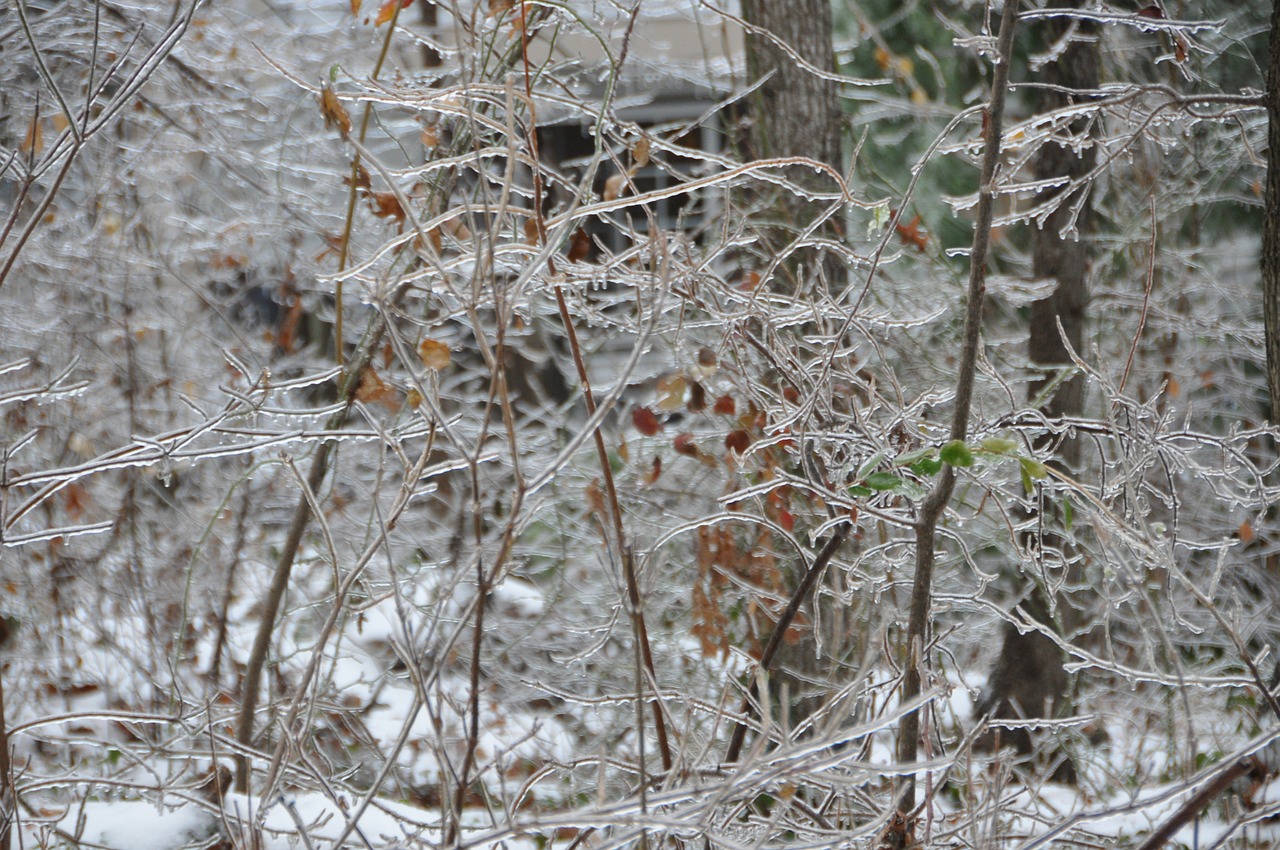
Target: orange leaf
287 330
1245 532
497 7
335 114
387 205
645 421
655 471
911 234
388 11
434 353
362 178
786 519
725 405
355 7
33 141
373 389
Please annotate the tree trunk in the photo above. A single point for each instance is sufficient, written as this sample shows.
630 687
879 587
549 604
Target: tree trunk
1271 223
796 113
1029 678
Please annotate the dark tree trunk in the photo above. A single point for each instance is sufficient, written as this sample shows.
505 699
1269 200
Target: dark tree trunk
1029 678
1271 222
795 113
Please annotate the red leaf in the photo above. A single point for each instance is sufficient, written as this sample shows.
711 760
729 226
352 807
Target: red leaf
786 519
737 441
911 235
684 445
579 245
726 406
697 397
1152 11
645 421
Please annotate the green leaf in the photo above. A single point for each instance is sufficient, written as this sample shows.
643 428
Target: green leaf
1067 513
1034 468
872 462
956 453
926 466
1032 471
879 218
999 445
912 490
333 72
910 458
882 481
859 490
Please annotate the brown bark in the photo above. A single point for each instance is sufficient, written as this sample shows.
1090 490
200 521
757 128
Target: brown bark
1271 223
1029 678
796 113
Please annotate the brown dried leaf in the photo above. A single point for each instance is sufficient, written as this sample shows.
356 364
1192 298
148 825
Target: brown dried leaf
435 354
335 114
697 399
362 179
1245 532
386 205
684 445
374 390
640 153
738 441
614 187
33 141
671 392
725 406
579 246
645 420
